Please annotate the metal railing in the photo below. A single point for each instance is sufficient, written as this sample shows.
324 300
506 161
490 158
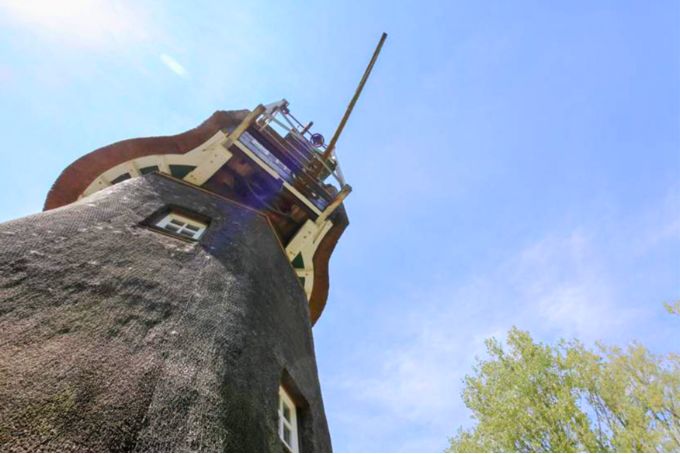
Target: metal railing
305 146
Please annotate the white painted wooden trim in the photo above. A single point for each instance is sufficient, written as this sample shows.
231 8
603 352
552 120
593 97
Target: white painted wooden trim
305 242
182 225
290 424
200 157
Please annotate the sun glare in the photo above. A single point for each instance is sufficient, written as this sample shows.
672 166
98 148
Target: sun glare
85 23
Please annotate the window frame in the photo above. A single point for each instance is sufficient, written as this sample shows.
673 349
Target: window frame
186 227
290 423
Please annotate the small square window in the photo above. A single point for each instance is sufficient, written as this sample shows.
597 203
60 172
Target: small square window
287 421
182 225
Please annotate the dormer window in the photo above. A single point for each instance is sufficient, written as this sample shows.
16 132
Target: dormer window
182 225
287 421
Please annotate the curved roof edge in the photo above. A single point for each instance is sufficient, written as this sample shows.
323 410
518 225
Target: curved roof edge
76 177
322 256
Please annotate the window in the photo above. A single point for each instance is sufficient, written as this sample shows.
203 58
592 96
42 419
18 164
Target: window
119 178
180 171
148 169
287 421
182 225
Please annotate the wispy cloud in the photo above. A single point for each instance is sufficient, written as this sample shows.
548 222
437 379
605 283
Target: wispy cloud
566 284
416 382
174 65
564 288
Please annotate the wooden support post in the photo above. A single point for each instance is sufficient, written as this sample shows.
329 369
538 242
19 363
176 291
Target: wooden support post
241 128
345 117
342 195
214 158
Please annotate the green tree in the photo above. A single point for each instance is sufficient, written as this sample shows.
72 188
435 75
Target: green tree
528 396
673 308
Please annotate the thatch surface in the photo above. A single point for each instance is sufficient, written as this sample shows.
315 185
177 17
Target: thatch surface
114 337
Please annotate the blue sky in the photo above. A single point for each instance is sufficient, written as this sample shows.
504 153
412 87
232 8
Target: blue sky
512 164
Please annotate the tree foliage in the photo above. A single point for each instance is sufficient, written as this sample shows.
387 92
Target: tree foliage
533 397
673 308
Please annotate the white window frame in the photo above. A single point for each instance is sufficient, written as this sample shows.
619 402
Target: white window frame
183 226
290 424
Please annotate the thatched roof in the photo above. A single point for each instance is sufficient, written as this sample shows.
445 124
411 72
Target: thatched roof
117 338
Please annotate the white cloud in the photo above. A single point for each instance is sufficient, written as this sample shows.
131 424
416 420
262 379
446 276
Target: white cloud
658 226
555 287
174 65
415 387
90 24
565 288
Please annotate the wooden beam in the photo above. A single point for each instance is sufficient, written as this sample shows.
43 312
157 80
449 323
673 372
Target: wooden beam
214 157
350 107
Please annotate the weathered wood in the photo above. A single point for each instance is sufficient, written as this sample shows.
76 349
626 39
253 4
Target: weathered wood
357 93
